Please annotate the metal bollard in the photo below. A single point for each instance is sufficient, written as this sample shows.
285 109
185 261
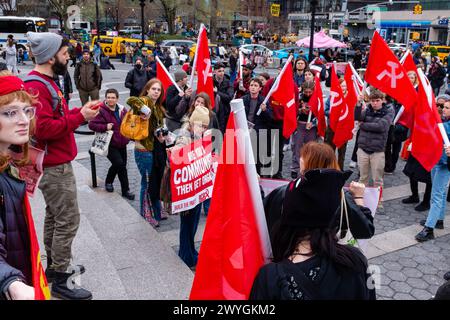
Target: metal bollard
93 169
92 156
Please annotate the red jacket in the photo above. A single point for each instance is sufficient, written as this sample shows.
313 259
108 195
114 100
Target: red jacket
54 129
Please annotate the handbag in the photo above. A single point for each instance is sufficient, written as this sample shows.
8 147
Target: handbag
345 236
101 142
134 127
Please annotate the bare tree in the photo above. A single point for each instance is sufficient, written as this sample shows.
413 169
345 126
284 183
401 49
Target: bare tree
213 21
60 9
170 9
8 6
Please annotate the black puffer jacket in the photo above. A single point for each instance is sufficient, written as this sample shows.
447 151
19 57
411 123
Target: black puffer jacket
360 218
223 98
136 80
15 260
374 129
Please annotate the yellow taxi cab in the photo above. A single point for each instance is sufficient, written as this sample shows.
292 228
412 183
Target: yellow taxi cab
245 33
194 49
111 45
442 51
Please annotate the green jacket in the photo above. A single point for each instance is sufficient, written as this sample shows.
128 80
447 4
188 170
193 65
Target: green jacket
156 118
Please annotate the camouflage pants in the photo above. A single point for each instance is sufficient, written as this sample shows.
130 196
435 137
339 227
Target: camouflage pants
62 216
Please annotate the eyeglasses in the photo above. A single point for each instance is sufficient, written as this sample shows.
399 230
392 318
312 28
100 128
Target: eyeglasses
439 105
13 114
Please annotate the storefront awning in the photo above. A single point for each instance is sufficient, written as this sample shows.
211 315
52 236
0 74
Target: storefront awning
404 24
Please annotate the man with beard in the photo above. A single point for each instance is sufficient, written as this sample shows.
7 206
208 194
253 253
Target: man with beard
88 78
241 86
55 124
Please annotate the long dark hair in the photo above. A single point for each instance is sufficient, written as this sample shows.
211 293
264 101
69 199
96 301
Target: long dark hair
323 242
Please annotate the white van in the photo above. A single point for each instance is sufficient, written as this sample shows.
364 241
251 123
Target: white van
131 30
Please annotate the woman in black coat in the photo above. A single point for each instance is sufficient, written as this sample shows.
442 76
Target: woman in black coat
360 217
308 262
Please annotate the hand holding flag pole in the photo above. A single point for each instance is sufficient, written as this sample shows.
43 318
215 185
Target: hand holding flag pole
169 75
275 84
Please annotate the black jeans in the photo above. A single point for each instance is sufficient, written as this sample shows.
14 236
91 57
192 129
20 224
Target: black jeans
118 158
414 184
392 151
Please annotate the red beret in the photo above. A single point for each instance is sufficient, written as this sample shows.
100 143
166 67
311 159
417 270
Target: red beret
9 84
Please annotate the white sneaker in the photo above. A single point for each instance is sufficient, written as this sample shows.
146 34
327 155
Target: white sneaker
352 164
286 147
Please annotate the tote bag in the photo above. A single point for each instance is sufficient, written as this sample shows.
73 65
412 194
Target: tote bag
101 142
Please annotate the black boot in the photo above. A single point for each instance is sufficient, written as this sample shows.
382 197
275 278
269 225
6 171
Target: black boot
425 235
439 224
65 288
128 195
411 199
423 206
447 276
50 273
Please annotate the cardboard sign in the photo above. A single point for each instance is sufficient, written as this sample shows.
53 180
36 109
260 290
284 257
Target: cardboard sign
191 179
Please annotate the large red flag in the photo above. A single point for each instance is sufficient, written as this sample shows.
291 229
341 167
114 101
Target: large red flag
407 117
231 253
337 101
317 107
386 73
163 75
284 94
352 96
408 62
39 281
204 67
426 138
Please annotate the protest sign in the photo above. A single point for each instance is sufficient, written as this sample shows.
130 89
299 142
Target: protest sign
191 178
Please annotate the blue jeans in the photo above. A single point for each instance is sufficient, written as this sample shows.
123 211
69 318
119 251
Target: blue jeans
188 228
440 176
144 162
233 76
206 205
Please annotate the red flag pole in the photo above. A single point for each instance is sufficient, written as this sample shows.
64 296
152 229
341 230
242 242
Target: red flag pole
244 146
275 84
194 66
168 74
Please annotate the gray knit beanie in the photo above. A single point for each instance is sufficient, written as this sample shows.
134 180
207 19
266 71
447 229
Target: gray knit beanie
445 97
44 45
180 75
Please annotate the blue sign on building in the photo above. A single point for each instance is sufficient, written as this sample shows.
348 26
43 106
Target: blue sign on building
443 22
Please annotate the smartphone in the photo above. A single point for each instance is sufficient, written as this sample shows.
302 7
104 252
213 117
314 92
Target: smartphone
98 105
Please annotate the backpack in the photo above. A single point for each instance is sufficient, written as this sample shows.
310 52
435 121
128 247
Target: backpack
56 100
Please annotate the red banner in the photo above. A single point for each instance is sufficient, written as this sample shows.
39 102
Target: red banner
191 176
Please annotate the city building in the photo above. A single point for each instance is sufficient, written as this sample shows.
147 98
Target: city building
403 21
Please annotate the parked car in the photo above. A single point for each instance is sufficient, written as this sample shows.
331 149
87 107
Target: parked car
248 48
178 44
131 30
284 53
397 46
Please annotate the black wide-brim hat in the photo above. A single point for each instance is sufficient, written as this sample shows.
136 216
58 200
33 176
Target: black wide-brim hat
311 201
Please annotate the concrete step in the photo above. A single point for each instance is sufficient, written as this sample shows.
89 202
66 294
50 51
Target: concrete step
124 256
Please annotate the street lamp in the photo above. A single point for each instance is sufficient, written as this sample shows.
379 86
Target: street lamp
314 4
142 4
97 20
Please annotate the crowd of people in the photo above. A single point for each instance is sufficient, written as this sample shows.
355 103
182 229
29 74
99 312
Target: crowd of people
308 257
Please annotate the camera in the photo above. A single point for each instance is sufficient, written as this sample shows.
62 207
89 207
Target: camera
163 131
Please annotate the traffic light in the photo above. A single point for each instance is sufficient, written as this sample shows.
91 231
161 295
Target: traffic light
417 9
